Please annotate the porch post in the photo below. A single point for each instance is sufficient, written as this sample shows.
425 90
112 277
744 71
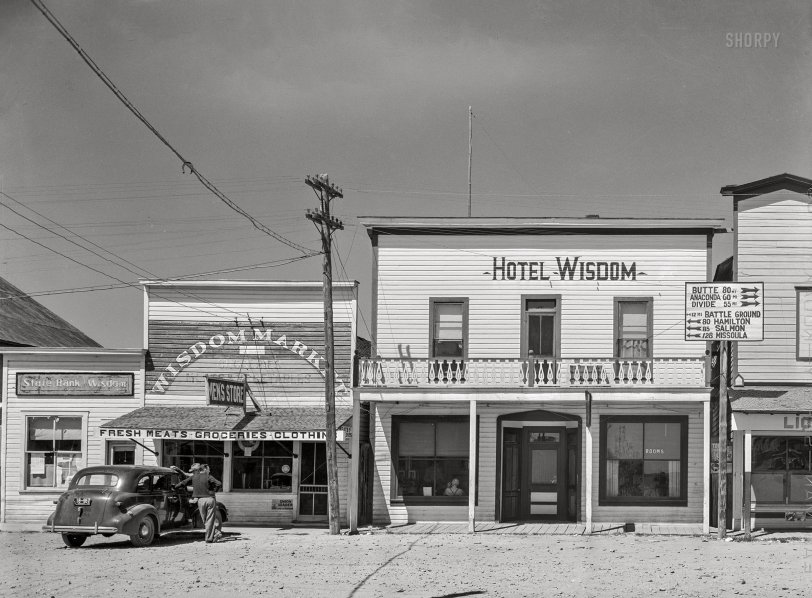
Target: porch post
588 480
355 466
746 490
472 481
706 446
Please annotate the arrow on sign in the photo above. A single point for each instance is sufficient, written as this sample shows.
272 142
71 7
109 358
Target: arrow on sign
690 321
753 290
694 336
694 327
748 303
749 296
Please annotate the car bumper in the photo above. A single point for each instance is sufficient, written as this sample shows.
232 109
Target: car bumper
80 529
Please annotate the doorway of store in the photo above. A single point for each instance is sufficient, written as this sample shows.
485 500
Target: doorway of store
313 482
539 469
121 453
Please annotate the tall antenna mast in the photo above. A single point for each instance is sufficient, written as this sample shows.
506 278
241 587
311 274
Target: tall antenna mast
470 150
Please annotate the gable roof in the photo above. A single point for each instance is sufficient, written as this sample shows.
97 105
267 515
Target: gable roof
790 182
25 322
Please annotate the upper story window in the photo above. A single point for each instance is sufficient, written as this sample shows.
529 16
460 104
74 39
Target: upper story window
803 345
449 327
541 326
633 327
53 450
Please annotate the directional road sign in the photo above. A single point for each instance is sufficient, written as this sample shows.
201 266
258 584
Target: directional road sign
728 311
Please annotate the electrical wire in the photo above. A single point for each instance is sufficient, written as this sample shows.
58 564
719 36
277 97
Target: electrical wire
107 287
39 5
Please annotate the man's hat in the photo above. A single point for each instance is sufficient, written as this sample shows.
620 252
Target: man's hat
195 467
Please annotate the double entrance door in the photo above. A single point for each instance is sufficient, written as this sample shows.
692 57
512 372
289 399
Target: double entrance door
536 479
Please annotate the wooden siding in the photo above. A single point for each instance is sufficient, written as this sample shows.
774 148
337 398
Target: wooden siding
278 372
774 245
385 512
21 506
259 303
413 268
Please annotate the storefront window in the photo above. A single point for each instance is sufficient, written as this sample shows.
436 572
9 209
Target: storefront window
53 450
182 453
782 469
431 457
269 466
643 459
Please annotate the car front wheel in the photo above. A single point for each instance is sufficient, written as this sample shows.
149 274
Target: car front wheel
146 532
74 540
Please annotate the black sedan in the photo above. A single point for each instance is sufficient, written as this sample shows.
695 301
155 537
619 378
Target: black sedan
136 500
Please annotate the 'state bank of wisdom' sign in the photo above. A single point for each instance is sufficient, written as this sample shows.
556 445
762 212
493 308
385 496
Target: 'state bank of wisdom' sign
729 311
67 383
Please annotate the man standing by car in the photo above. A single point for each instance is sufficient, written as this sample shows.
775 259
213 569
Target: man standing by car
203 489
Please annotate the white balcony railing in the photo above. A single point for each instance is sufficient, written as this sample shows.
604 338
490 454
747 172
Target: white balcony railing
528 373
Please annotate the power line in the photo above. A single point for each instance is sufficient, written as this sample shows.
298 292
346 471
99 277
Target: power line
108 287
184 162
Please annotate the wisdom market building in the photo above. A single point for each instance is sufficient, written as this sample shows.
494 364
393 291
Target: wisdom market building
234 377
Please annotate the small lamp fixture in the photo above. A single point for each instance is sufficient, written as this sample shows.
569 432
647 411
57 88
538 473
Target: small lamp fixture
738 381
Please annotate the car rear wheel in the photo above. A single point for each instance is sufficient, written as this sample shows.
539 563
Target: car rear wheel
146 532
74 540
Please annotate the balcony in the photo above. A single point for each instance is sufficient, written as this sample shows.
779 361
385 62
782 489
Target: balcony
607 372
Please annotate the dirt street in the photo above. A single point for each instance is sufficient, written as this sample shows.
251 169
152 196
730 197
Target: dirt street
306 562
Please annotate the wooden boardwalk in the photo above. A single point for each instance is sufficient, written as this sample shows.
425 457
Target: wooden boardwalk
543 529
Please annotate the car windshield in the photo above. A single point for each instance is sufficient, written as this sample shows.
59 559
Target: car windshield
97 479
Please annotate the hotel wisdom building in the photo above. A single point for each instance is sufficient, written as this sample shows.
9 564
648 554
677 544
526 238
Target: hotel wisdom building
537 370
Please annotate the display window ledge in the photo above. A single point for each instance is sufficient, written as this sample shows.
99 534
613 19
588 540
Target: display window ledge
258 491
643 502
454 501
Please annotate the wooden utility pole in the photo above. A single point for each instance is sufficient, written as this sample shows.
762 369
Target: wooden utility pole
326 224
721 522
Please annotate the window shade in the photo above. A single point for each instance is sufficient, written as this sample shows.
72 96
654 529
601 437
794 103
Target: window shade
447 321
633 319
416 439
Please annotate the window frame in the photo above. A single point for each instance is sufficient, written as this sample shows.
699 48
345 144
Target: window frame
236 458
433 319
395 457
525 320
645 501
25 415
649 301
786 471
799 291
218 471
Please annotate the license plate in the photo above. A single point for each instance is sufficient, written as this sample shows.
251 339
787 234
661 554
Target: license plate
82 502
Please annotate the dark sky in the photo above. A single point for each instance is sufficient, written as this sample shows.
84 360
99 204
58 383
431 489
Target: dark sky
615 108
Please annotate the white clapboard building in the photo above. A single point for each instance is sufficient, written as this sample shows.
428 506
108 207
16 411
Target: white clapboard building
54 400
537 369
771 397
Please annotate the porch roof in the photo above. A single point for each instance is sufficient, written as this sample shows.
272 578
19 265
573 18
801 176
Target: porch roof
771 399
283 419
